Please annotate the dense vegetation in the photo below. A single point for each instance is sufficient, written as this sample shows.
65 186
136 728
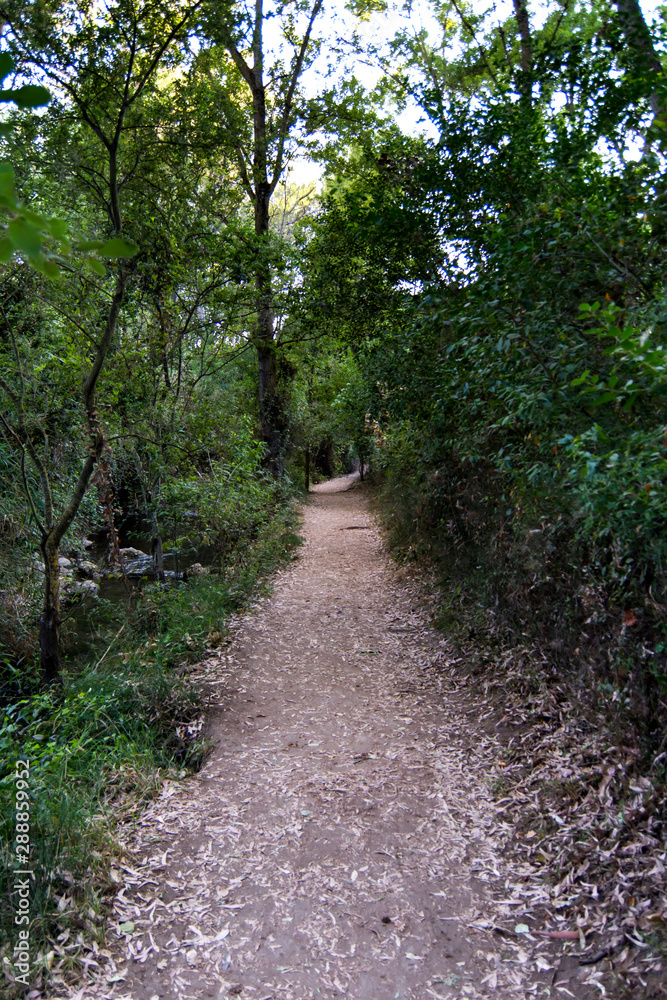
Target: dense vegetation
506 282
477 309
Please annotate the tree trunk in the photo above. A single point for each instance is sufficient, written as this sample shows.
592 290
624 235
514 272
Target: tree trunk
526 79
49 620
270 404
361 469
646 59
55 530
271 410
325 459
307 471
259 183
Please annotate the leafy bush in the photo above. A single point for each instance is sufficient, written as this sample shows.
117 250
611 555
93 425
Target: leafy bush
226 506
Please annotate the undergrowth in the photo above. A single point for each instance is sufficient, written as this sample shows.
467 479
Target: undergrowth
99 747
516 570
572 679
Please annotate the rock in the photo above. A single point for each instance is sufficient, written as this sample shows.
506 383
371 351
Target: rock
84 588
87 544
88 569
197 570
137 567
136 562
66 567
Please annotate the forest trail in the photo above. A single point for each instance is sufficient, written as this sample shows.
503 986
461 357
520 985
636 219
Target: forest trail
339 840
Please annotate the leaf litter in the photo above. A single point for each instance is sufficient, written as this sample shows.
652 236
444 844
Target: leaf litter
358 832
587 832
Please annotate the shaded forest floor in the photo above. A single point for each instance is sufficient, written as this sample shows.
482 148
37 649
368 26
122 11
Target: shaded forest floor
348 835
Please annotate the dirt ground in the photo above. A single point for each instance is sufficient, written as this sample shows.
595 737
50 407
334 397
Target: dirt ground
342 839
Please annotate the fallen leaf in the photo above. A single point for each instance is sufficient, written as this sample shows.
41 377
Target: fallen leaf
559 935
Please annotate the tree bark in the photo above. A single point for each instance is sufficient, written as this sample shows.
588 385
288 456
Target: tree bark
271 410
646 59
49 621
259 180
307 470
54 533
523 23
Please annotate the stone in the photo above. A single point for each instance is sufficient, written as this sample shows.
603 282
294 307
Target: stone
197 570
86 588
136 562
88 569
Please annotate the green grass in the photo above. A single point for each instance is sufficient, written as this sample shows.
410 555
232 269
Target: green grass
100 746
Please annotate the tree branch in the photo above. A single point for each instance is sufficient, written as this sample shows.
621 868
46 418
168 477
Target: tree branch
473 34
289 97
26 488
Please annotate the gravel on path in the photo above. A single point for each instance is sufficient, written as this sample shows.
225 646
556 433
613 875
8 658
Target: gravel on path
341 840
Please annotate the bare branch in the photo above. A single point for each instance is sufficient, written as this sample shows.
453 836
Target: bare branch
289 97
473 34
24 476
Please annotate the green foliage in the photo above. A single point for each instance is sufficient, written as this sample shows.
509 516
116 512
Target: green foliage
502 290
639 364
481 313
327 407
26 231
100 746
228 506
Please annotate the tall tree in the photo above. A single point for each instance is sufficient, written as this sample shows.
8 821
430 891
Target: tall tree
273 87
102 68
645 57
526 45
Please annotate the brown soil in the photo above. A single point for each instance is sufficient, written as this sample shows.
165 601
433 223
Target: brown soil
342 840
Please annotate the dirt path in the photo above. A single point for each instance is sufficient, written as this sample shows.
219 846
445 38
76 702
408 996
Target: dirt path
339 840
